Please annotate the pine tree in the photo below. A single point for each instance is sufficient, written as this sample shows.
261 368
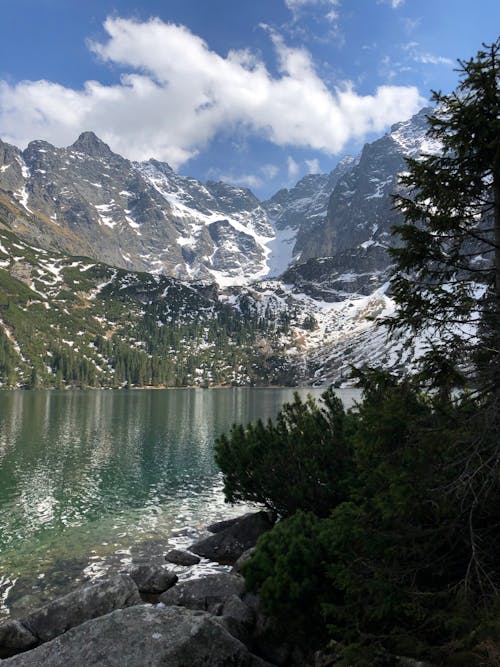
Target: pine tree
447 276
447 282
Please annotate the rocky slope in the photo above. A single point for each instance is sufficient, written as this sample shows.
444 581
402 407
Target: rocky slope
72 321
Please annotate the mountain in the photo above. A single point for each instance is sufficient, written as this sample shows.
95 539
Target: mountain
293 213
114 273
72 321
85 199
346 252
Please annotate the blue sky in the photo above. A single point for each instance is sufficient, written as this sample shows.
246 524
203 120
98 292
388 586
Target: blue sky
255 92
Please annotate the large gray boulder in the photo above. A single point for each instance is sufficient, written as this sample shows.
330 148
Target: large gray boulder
153 578
245 557
14 638
140 636
227 545
209 593
81 605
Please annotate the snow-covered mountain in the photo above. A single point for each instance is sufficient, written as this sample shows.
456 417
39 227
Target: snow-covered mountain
309 266
346 252
85 199
293 213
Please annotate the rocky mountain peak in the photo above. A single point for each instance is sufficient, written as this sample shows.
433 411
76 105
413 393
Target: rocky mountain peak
90 144
163 167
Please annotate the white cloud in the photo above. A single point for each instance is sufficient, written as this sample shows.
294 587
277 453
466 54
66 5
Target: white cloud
313 166
293 167
177 95
246 180
329 10
270 171
423 57
297 5
429 59
393 3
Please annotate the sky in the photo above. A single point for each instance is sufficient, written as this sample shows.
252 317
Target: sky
257 93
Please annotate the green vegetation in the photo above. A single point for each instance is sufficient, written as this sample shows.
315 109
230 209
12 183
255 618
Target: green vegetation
71 322
301 462
398 552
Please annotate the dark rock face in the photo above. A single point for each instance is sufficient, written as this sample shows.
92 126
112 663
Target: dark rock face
140 636
356 271
227 545
208 593
306 204
81 605
360 207
179 557
153 578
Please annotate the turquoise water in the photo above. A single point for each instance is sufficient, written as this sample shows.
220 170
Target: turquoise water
90 481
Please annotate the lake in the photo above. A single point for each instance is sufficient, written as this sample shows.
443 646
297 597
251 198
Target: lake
91 481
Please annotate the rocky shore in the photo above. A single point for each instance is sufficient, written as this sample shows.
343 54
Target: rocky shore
147 616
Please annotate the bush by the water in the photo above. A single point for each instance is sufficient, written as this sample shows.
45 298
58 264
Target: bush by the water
302 461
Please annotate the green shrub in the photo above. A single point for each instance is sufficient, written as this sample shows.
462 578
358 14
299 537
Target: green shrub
302 461
409 563
288 569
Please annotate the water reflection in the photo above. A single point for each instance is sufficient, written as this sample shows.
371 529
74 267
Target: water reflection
87 475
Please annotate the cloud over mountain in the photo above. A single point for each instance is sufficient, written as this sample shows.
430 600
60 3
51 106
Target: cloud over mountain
175 94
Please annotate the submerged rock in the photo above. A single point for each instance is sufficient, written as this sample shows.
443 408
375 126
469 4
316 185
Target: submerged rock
179 557
231 542
143 635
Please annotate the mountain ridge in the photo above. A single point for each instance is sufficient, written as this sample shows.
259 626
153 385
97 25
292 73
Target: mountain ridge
144 216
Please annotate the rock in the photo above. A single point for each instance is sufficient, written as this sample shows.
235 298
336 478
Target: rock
218 526
209 593
238 618
143 635
242 559
179 557
14 638
81 605
153 578
228 545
